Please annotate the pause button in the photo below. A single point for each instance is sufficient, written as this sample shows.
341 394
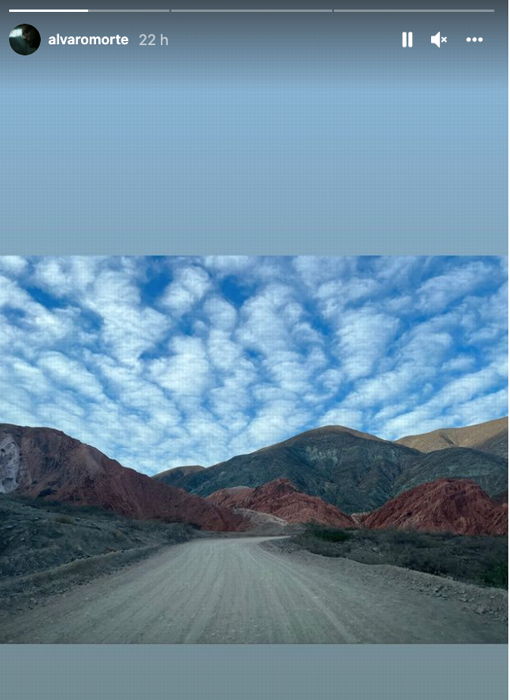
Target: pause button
407 40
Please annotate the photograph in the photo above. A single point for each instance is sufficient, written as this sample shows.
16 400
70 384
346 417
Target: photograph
253 450
24 39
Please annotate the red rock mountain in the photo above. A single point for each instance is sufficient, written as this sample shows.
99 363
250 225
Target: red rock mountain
281 498
41 462
445 505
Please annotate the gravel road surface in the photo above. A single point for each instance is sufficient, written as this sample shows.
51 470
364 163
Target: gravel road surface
243 590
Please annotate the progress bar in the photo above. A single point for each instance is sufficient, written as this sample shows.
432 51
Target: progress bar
48 10
332 10
89 10
252 10
413 10
367 11
247 11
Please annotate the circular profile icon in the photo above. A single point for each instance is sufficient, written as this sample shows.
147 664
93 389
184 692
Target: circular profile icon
24 39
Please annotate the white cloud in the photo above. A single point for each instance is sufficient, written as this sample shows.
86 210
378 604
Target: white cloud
460 363
457 393
67 276
186 372
437 292
186 290
70 374
13 265
363 338
275 421
335 295
156 362
229 264
347 417
267 319
220 313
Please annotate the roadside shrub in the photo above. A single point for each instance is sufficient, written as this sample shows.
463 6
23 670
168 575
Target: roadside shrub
496 576
479 559
404 537
328 534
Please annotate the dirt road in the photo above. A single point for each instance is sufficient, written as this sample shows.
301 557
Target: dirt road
242 591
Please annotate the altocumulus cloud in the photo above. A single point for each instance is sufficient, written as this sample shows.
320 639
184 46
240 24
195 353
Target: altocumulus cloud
167 361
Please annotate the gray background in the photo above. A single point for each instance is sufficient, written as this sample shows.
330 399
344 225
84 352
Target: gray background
432 672
202 672
257 133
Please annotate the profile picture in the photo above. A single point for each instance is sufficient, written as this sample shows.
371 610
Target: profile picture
24 39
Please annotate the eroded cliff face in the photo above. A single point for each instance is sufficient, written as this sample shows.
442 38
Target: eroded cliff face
13 470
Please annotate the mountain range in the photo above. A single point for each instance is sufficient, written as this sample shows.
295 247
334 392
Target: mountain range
359 472
324 475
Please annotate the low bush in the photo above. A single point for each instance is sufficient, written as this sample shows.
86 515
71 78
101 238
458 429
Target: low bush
481 560
333 535
496 576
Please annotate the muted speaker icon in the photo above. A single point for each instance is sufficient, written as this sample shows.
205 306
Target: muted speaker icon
436 39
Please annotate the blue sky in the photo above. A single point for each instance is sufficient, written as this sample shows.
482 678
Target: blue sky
160 362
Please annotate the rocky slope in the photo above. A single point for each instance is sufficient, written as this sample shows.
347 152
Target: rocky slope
40 462
282 499
490 437
446 505
36 535
354 471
